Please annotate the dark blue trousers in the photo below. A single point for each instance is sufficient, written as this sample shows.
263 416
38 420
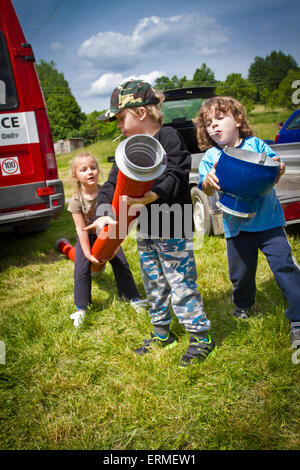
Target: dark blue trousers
242 254
83 282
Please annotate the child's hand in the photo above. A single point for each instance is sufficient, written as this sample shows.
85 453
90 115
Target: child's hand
104 260
148 197
99 223
282 168
92 259
210 184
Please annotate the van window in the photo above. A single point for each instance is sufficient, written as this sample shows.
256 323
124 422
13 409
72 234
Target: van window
8 94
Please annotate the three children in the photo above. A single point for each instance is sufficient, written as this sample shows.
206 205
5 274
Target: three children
167 264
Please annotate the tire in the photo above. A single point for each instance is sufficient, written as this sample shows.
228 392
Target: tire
201 211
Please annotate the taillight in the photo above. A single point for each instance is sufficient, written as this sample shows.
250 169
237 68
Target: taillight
46 144
291 210
276 138
46 191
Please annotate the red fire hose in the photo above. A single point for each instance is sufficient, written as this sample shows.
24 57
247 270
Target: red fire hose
65 247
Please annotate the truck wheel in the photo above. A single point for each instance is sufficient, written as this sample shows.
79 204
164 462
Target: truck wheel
201 211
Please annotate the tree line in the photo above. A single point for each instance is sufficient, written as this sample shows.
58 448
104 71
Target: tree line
269 82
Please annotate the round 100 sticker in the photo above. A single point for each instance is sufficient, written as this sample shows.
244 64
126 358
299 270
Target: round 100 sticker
10 166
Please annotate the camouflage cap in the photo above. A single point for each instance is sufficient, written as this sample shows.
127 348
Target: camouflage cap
129 94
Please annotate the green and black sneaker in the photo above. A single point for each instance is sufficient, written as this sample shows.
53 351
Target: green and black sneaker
198 350
169 342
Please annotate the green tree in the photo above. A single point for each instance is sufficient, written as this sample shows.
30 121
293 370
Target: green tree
239 88
269 72
163 83
204 76
181 82
93 130
287 95
64 112
50 78
256 75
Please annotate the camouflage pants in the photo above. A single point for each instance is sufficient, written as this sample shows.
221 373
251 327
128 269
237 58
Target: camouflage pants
170 280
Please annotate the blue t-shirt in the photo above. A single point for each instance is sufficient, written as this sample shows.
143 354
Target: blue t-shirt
269 213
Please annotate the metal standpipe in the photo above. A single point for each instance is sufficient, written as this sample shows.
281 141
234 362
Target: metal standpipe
141 158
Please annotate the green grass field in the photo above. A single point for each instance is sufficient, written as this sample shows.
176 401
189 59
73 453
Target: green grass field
264 121
67 388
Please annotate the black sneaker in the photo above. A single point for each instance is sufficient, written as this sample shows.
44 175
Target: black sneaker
197 351
167 343
241 312
295 334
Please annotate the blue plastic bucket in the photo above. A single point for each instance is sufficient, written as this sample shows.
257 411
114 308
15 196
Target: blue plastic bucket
244 177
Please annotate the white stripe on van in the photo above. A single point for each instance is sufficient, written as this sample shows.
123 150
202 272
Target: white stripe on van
18 128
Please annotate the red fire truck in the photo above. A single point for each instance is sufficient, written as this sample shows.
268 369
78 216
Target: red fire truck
30 191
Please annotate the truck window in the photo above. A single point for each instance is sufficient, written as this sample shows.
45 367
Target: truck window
8 93
181 109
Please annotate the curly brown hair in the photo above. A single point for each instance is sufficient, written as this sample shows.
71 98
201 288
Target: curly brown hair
220 104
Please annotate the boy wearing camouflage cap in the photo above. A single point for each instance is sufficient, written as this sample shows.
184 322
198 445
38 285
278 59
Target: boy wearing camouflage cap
167 264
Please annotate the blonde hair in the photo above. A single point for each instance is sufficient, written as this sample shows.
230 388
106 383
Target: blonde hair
220 104
154 110
74 163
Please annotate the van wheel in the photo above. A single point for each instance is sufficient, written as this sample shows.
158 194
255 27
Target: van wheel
201 211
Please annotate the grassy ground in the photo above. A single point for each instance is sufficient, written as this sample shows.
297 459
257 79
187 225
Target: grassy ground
66 388
264 121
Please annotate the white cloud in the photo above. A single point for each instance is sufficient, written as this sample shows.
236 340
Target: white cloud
56 46
151 77
105 84
189 34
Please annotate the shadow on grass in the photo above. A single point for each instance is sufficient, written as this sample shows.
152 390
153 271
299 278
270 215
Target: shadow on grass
269 300
107 283
34 248
294 231
219 306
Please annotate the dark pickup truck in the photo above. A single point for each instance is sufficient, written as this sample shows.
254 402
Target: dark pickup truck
180 107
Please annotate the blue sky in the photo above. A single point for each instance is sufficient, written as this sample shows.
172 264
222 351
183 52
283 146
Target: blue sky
97 43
